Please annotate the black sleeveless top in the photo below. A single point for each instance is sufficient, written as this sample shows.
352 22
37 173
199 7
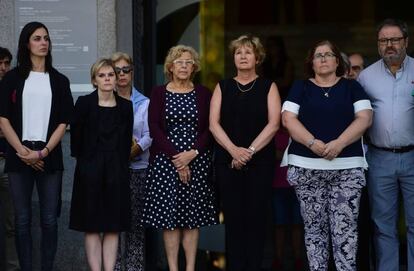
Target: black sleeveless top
243 116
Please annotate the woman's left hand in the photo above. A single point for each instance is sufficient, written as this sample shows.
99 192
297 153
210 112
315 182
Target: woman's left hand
39 165
30 158
333 149
236 164
184 174
182 159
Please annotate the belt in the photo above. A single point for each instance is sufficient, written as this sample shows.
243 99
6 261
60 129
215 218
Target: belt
34 145
395 150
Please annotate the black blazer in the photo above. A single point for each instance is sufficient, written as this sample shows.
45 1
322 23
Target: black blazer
84 127
11 91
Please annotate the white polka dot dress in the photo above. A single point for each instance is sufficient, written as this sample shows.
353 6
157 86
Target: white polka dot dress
169 203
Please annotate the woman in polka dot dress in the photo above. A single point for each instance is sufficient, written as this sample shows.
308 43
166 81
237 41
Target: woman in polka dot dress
179 197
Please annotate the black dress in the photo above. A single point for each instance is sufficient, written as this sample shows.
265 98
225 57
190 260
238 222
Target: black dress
245 193
100 198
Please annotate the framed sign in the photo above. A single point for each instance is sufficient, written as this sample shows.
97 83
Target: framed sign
72 27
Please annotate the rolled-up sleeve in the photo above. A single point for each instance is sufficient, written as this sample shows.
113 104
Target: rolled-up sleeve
145 140
362 105
291 107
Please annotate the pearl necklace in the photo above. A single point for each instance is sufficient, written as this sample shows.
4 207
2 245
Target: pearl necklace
172 87
245 90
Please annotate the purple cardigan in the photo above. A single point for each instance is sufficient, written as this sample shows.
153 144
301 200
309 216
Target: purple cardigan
158 126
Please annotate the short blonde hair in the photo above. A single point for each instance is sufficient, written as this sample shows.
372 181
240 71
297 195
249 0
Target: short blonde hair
249 41
121 56
103 62
176 52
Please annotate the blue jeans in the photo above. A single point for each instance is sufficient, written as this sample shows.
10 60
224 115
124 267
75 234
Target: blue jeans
48 188
388 174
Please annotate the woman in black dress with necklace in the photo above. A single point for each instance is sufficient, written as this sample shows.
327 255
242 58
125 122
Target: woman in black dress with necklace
100 141
244 117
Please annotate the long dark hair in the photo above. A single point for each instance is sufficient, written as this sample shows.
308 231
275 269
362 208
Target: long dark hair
24 62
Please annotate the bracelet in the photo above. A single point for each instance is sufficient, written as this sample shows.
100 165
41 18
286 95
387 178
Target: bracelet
311 142
252 149
196 151
48 151
39 153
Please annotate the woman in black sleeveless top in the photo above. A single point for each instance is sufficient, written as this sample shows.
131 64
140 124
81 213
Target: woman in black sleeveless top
244 117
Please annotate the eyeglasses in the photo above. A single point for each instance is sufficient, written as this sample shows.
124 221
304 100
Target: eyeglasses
104 75
125 69
327 55
394 41
180 62
356 68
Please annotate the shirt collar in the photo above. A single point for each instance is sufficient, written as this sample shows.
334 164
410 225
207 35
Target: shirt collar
401 69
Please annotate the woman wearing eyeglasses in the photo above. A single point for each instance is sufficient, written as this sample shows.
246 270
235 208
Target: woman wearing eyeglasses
326 116
101 135
244 117
141 141
179 197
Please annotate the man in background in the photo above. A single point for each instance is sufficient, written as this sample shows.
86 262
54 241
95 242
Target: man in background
389 83
5 59
357 65
7 243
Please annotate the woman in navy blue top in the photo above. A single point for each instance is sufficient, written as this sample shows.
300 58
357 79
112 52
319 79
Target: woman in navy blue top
326 116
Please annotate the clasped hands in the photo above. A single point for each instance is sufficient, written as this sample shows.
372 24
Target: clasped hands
181 162
241 156
31 158
329 150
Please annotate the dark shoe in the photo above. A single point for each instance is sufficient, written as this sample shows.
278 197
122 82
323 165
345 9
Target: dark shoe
299 265
277 265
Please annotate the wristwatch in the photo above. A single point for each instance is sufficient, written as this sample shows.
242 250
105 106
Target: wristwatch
311 142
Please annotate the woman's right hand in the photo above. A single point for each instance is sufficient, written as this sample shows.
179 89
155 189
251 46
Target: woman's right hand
184 174
242 155
39 165
318 147
30 158
22 152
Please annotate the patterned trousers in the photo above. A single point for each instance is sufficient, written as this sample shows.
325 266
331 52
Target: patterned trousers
329 202
135 238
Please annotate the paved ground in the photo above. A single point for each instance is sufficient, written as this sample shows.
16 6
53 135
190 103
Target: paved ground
71 253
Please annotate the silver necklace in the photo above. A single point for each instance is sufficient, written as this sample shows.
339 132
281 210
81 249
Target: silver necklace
326 92
245 90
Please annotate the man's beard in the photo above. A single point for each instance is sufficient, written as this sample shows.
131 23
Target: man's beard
395 58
